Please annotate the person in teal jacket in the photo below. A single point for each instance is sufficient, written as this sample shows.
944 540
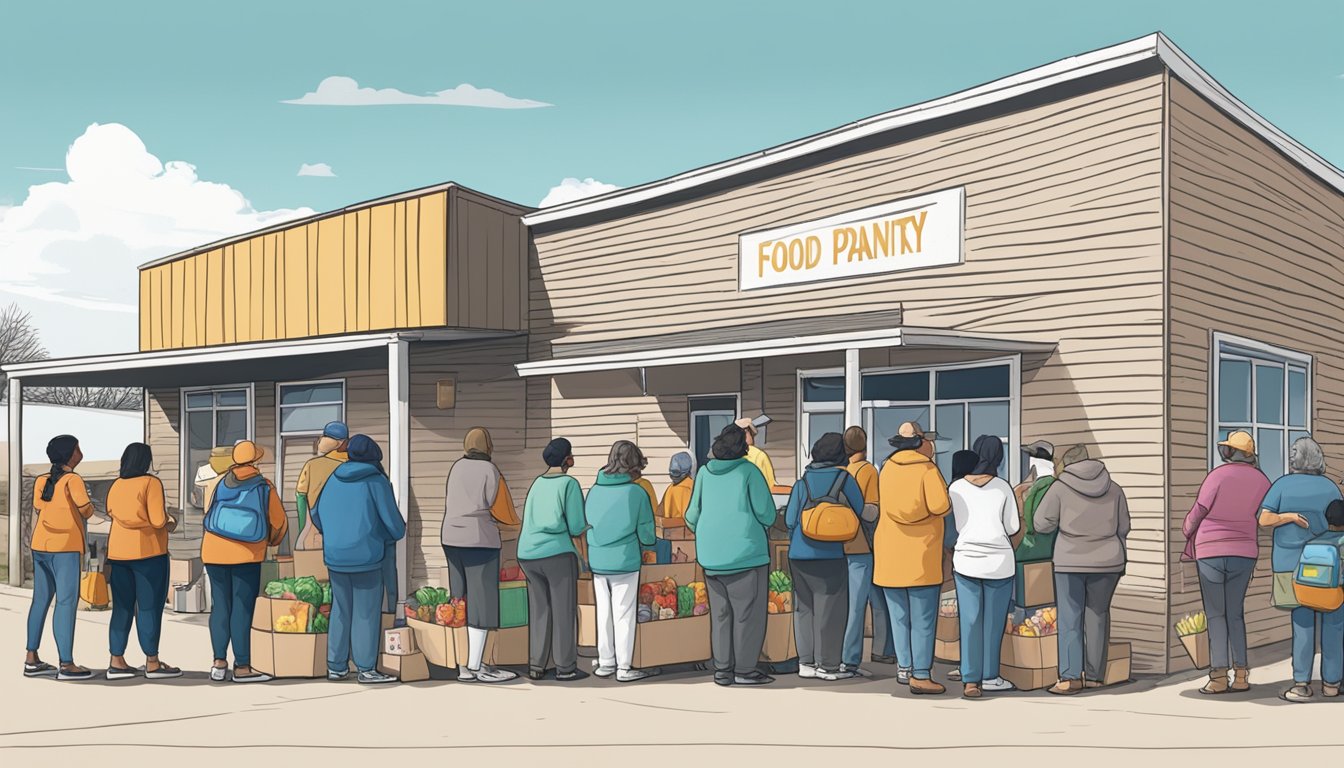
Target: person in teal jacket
552 516
360 521
620 519
730 510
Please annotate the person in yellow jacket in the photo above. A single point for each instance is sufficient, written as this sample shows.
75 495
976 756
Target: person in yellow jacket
757 456
908 551
677 497
234 569
331 449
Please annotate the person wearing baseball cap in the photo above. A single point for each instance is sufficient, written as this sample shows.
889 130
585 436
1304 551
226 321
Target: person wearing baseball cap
754 453
331 453
908 551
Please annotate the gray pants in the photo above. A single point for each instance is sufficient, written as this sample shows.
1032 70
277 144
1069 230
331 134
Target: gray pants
1084 601
473 573
820 608
552 612
737 611
1223 582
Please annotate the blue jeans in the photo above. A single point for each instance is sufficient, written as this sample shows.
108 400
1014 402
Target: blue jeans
914 617
983 608
862 593
356 620
233 598
139 589
1304 644
55 575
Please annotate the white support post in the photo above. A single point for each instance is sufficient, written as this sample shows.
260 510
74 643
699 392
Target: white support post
15 482
399 450
853 389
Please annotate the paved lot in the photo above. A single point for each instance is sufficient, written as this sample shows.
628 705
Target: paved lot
682 719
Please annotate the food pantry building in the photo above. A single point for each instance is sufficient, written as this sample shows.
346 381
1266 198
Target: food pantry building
1109 250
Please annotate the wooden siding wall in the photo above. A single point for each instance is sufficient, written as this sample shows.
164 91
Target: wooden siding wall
1255 248
1063 243
445 258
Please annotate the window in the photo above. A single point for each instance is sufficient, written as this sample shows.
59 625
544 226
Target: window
1263 390
214 418
709 415
822 406
307 407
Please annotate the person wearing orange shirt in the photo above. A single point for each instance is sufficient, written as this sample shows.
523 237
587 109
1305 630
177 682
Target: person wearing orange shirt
63 509
234 567
137 564
859 556
677 497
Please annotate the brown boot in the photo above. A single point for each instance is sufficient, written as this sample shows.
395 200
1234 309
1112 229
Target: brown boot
1241 679
925 687
971 691
1217 682
1066 687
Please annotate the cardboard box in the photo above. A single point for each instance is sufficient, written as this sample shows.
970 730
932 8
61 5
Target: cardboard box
672 529
587 594
779 640
1197 648
672 641
686 548
308 562
948 628
512 604
408 668
284 567
1035 584
779 556
947 650
1118 660
185 570
436 642
399 641
1029 679
587 626
1030 652
507 647
291 655
682 573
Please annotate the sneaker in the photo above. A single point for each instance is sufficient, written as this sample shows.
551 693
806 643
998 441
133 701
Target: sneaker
120 673
1066 687
883 659
754 677
336 676
374 677
954 675
537 674
997 685
903 676
604 672
635 675
219 674
569 677
855 671
807 671
161 672
74 673
254 677
489 674
40 669
723 678
1298 693
841 674
925 687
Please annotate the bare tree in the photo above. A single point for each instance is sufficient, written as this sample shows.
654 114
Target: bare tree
20 342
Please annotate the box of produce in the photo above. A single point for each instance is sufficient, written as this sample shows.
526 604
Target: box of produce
1029 679
1035 584
408 668
439 643
665 643
1193 630
1118 659
296 605
512 604
779 640
780 593
509 574
289 655
681 573
665 600
434 615
506 647
1032 644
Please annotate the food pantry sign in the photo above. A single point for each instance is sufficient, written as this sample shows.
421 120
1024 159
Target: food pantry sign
912 233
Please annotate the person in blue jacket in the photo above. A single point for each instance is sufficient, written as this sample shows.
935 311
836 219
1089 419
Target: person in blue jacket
359 521
820 568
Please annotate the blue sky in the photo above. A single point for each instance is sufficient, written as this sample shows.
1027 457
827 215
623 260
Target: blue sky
639 90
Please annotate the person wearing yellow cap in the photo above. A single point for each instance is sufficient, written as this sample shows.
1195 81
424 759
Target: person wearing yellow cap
908 551
243 518
1221 535
754 453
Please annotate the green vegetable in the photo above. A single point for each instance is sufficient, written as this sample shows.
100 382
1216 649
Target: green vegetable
307 589
320 623
780 582
685 601
276 588
326 593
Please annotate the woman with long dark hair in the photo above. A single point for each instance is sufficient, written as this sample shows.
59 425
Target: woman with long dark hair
63 509
137 564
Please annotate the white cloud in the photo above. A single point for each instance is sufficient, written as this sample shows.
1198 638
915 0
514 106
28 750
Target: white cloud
316 169
345 92
71 248
570 189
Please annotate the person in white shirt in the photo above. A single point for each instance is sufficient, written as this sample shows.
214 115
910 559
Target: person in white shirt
984 510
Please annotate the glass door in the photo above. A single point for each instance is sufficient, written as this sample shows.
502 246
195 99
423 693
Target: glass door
709 415
211 418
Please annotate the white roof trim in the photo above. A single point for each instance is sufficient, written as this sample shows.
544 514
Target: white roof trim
1151 46
799 345
236 352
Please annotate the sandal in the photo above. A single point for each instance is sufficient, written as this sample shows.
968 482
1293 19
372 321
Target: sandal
40 669
120 673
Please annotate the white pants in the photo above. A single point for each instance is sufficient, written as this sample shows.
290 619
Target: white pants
616 602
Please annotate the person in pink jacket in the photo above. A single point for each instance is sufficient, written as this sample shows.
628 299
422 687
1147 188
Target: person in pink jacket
1220 534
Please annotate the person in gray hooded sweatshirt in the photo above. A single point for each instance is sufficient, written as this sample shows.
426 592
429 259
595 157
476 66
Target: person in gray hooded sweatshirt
1092 516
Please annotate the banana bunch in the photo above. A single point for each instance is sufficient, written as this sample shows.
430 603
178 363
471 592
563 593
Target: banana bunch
1192 624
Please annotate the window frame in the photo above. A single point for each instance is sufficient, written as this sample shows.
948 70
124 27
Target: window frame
691 412
280 408
186 478
1228 346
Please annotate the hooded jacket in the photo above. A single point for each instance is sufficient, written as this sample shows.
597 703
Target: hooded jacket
358 518
552 516
730 510
908 543
620 519
1091 514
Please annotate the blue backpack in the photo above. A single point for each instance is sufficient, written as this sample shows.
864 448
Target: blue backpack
240 513
1316 583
